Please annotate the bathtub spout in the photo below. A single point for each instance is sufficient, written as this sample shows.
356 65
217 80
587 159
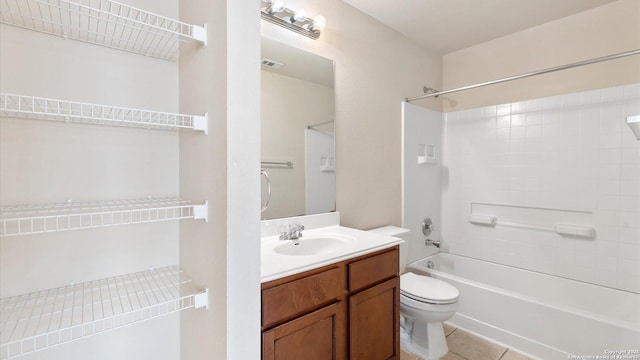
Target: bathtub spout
435 243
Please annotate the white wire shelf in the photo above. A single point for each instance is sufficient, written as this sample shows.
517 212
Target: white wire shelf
72 111
35 219
104 22
48 318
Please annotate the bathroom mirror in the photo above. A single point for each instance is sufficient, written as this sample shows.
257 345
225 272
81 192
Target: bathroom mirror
297 131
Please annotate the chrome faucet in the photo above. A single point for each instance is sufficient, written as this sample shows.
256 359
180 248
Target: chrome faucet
435 243
294 232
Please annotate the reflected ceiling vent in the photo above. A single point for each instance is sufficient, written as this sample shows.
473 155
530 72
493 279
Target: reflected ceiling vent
634 124
270 64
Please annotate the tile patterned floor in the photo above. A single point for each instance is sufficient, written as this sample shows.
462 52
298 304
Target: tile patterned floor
466 346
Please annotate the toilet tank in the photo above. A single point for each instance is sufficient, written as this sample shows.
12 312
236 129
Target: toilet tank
401 233
392 231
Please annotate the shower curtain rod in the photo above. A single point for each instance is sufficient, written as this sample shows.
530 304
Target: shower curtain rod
533 73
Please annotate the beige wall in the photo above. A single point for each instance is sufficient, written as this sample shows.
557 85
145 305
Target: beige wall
203 176
605 30
223 167
376 68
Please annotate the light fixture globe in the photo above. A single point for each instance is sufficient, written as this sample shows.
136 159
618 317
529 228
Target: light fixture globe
319 23
300 15
276 6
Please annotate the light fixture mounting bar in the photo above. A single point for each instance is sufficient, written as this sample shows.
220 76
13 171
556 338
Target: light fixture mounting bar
283 19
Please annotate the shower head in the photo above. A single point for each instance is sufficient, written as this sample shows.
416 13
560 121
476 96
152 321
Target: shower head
428 90
634 124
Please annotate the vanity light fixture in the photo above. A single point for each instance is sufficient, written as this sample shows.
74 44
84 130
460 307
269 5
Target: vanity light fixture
275 11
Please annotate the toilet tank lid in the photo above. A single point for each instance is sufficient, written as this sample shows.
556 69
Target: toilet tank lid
391 231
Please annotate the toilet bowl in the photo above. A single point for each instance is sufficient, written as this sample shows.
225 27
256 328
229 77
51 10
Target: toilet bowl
425 303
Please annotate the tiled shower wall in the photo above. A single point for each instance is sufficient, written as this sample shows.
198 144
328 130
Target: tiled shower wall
563 152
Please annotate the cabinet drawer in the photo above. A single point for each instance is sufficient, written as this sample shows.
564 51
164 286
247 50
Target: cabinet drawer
294 298
374 269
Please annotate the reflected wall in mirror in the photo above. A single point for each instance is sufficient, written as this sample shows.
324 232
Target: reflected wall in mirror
298 141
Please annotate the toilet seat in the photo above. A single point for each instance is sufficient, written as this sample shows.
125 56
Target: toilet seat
427 289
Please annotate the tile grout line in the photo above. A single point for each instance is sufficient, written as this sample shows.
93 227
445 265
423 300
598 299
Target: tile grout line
453 352
454 330
504 353
462 357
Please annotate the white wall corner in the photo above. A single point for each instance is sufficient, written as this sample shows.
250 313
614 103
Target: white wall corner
243 180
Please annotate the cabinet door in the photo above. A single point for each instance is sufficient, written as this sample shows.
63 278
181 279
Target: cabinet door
374 322
316 336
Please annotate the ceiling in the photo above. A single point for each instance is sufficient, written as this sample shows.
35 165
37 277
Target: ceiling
444 26
297 63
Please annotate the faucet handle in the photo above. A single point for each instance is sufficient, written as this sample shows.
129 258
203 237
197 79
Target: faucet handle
284 232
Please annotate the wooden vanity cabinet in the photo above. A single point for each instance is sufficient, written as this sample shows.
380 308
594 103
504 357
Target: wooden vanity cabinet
315 336
375 336
347 310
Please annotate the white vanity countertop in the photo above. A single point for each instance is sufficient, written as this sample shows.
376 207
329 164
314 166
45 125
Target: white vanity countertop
275 266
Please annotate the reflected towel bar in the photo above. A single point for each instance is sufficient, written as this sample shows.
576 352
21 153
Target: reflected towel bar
288 164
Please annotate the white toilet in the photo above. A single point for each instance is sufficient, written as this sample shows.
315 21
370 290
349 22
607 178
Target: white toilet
425 303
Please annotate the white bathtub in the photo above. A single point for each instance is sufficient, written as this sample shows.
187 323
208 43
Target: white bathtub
545 316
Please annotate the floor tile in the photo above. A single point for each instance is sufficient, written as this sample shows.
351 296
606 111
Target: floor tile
448 329
472 347
513 355
407 356
452 356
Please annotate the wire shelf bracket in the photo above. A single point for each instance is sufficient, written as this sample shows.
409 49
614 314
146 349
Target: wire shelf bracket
201 300
29 107
200 33
201 123
44 319
45 218
201 212
106 23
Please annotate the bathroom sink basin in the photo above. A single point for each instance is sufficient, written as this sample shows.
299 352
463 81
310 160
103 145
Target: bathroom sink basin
312 245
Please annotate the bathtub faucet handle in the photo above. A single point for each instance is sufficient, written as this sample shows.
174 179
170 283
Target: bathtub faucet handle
427 227
435 243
